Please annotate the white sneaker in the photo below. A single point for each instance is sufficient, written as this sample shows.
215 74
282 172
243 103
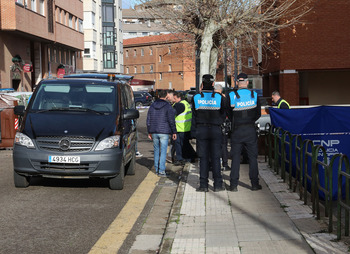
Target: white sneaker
138 154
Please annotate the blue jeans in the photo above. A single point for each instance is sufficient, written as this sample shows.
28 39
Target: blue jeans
160 145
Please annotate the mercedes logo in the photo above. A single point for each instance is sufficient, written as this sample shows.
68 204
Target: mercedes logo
64 144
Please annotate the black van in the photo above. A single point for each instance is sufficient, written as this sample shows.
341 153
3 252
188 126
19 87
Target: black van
78 127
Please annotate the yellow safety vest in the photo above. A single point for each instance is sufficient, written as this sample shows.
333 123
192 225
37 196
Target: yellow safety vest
279 104
183 121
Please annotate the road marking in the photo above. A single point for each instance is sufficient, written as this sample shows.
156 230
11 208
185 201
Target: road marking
115 235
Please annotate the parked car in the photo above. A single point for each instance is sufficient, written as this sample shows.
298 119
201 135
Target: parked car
77 128
142 98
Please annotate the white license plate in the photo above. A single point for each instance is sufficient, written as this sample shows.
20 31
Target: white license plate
64 159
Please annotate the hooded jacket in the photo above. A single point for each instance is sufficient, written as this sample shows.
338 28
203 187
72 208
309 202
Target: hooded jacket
161 118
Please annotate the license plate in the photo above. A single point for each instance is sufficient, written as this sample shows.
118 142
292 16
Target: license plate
64 159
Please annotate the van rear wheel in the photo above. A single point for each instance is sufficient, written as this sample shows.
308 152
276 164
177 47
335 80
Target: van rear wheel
117 183
21 181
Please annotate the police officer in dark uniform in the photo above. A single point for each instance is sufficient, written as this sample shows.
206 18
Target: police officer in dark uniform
245 110
209 111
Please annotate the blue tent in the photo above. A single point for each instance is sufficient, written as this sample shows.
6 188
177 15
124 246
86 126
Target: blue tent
328 126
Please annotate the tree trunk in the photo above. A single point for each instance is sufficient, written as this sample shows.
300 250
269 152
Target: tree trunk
206 48
213 61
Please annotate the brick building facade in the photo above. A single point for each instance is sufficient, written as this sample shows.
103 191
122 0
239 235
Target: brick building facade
37 37
168 60
312 65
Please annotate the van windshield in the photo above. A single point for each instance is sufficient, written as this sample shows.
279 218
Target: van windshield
89 97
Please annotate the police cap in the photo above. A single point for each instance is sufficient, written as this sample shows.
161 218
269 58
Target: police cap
242 75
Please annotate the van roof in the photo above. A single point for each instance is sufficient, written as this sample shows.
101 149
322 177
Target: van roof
105 76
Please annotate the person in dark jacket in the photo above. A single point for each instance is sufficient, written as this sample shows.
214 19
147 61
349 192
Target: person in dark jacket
161 124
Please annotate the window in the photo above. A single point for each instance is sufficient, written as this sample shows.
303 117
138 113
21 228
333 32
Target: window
135 52
108 60
169 50
33 5
126 53
80 25
135 69
41 7
108 35
19 2
250 62
142 52
160 58
151 69
87 52
142 69
107 12
70 21
170 85
169 67
127 70
160 76
151 51
144 33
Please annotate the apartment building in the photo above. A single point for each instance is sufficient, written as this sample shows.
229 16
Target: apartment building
39 39
103 37
168 60
138 23
312 63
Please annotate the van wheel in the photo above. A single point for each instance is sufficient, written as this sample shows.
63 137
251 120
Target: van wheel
131 165
117 183
138 104
21 181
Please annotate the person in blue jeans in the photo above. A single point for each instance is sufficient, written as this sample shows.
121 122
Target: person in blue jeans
160 124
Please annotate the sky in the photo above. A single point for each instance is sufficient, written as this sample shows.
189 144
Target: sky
126 4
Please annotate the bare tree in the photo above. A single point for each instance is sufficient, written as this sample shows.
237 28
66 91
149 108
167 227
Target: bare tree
215 23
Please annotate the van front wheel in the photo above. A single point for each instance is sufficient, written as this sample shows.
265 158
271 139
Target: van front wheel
117 183
21 181
131 165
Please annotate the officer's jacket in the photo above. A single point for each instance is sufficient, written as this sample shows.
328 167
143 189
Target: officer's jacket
209 108
282 104
245 107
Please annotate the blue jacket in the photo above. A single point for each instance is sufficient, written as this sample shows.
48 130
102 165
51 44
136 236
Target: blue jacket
161 118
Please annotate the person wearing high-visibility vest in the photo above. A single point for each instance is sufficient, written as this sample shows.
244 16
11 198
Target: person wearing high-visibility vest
183 121
279 102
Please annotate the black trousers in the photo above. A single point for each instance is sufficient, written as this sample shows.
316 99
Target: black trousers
209 138
224 151
244 136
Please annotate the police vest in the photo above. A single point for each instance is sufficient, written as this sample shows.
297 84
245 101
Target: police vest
279 104
207 101
244 104
183 120
208 108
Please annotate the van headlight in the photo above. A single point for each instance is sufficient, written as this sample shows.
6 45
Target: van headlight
23 140
109 142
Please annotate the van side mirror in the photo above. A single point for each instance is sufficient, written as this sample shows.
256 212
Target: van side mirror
131 114
19 110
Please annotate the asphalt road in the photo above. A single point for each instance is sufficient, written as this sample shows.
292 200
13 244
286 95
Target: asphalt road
64 216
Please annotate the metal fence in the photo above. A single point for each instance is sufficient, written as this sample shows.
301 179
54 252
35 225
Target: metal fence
281 145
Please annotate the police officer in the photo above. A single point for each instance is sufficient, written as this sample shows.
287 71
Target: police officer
281 103
209 111
245 110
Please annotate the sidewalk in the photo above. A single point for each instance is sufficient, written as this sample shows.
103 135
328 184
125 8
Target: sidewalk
271 220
